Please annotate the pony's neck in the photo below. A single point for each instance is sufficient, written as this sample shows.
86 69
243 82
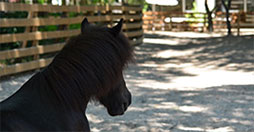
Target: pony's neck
66 86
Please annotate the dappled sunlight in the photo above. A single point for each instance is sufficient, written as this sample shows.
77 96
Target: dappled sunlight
209 78
189 77
160 41
10 85
192 109
94 119
197 129
221 129
183 83
165 105
172 53
167 61
140 109
193 84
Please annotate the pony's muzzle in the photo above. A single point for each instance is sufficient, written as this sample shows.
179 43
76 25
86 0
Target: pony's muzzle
121 107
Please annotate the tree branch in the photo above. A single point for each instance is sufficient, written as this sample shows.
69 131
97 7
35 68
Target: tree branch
214 9
224 4
206 7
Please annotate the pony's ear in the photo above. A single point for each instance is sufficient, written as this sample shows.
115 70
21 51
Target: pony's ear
117 29
84 25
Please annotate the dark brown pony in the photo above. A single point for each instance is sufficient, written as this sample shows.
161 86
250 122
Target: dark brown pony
88 68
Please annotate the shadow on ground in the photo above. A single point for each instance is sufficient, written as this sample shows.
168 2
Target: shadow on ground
159 107
231 53
222 105
227 108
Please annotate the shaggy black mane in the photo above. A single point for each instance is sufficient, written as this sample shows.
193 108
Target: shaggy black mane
94 59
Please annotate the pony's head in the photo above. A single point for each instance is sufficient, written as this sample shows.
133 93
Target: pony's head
117 100
114 95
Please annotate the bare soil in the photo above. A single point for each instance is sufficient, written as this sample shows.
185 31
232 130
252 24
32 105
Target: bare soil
180 82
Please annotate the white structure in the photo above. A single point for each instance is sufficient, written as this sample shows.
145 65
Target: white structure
243 4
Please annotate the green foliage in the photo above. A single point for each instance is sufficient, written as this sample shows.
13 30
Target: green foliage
136 2
17 15
41 1
75 26
10 30
48 28
196 16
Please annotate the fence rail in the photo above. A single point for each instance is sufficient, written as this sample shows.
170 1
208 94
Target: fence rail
36 43
178 21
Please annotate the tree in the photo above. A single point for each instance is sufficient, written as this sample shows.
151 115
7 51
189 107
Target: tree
227 7
209 15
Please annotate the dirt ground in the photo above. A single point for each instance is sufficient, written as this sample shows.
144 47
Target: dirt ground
181 82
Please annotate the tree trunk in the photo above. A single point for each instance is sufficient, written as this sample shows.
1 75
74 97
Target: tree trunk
209 15
227 7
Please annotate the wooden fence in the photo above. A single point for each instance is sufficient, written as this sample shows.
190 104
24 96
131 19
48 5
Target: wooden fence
43 30
176 21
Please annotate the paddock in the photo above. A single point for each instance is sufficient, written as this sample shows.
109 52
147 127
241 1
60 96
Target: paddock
181 81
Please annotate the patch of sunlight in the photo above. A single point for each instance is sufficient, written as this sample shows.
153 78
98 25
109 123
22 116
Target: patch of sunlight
190 94
95 130
241 101
161 114
153 84
190 128
221 129
233 121
245 122
144 72
165 105
238 121
187 101
192 109
158 99
93 118
167 65
14 83
137 109
205 78
148 65
160 41
173 53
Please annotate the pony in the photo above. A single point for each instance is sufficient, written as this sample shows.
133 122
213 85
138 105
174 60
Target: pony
88 68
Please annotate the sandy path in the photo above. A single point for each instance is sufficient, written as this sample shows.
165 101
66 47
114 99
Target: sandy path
181 84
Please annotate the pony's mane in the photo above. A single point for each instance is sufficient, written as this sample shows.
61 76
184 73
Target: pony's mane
95 59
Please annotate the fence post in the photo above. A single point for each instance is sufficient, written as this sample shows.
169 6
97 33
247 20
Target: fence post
28 29
171 23
31 29
238 23
126 13
204 27
37 56
153 21
110 13
35 43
